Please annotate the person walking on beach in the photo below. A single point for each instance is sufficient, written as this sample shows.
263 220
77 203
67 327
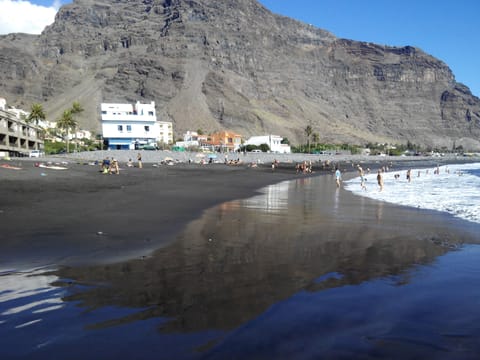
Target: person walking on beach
362 178
139 159
409 175
380 180
338 177
274 164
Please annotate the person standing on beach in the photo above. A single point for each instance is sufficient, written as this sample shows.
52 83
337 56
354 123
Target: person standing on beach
139 159
338 177
409 175
380 179
362 178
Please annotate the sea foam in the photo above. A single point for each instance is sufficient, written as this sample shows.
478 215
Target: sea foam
449 188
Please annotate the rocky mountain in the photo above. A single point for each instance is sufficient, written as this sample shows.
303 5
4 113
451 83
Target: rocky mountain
232 64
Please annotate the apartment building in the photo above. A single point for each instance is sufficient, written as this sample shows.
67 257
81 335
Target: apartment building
130 126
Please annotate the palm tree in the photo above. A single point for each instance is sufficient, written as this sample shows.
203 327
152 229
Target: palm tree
76 109
315 138
36 114
308 132
66 123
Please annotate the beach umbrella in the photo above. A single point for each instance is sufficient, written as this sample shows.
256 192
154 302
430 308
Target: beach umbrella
200 155
168 159
212 156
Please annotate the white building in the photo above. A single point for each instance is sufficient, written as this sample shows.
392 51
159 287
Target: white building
126 126
16 135
19 113
274 142
79 134
166 132
190 139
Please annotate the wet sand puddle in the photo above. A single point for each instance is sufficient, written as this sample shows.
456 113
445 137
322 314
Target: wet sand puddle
291 273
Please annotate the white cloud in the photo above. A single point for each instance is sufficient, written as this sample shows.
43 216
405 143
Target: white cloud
25 17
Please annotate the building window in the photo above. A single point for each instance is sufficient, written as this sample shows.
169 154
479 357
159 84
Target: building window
104 112
120 128
147 128
150 113
129 128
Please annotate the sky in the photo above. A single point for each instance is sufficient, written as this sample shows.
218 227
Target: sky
448 30
27 17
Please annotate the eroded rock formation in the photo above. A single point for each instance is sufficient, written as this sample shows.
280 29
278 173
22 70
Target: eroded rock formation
232 64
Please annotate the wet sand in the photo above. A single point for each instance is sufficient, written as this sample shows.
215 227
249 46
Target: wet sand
237 259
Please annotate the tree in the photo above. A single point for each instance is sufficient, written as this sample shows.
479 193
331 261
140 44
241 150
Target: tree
66 123
308 132
36 114
264 147
315 138
76 109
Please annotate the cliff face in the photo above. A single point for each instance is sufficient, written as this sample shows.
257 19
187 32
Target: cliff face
232 64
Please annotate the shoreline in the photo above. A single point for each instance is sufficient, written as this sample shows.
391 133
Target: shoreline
80 216
157 156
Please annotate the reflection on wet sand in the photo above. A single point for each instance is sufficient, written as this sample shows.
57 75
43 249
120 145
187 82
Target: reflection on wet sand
242 257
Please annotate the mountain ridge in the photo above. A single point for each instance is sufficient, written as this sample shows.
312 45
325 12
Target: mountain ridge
235 65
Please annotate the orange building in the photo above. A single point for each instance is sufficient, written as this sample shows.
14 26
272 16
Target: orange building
224 141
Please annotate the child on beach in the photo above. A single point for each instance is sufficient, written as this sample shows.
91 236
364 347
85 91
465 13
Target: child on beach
338 177
362 178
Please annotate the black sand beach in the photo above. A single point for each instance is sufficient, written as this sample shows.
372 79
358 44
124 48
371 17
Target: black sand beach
79 215
153 240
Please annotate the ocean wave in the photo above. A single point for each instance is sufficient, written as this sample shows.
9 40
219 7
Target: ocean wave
454 189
